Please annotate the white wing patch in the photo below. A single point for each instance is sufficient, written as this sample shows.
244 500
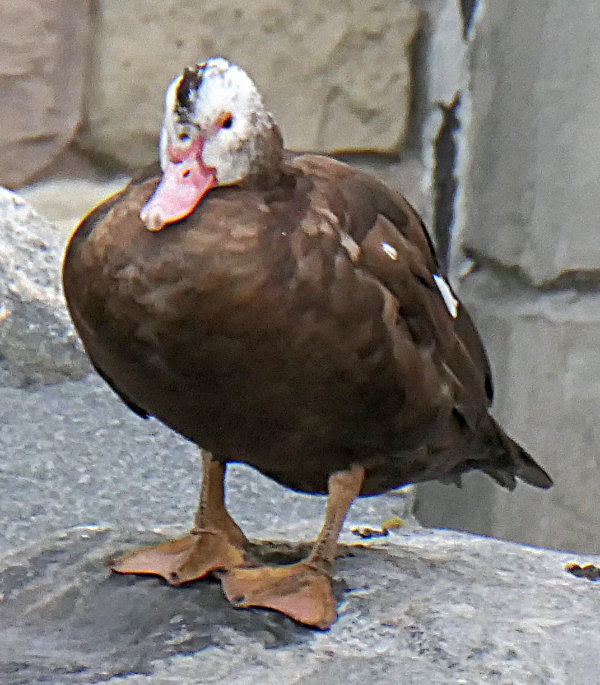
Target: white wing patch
390 250
350 245
447 295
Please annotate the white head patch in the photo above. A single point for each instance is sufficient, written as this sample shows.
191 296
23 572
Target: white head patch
200 101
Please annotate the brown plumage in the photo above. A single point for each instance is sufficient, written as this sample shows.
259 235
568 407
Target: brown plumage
293 324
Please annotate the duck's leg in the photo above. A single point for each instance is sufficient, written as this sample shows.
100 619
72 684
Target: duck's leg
302 591
215 541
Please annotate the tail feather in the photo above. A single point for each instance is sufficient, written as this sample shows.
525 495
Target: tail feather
510 460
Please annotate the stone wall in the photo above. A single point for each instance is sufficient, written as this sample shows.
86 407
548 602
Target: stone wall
528 219
337 79
485 114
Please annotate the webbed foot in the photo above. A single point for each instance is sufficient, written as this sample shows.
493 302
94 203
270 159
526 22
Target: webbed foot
300 591
188 558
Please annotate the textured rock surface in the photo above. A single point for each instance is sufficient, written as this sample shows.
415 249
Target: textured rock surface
37 342
531 193
43 55
336 76
429 606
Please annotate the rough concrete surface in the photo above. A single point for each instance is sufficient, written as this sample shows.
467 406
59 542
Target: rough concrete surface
526 215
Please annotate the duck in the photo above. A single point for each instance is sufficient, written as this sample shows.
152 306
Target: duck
285 311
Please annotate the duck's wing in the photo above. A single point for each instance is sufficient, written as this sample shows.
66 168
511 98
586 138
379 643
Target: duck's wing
393 247
387 241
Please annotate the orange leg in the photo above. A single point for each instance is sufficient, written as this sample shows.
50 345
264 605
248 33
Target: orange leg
302 591
215 541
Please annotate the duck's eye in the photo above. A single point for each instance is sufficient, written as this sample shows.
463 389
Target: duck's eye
226 120
184 137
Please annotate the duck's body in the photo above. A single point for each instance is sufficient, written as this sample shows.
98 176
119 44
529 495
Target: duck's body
251 329
299 323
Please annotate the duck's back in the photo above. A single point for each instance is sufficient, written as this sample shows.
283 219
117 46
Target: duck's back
299 328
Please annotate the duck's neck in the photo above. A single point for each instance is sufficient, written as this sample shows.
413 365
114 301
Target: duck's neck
267 167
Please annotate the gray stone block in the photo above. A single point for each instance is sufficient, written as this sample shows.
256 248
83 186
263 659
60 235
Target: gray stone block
533 142
544 351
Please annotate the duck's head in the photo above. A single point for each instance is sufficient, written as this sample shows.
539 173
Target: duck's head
216 132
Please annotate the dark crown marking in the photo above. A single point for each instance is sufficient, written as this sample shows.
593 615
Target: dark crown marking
189 84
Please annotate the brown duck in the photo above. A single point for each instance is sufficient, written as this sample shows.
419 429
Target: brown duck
285 311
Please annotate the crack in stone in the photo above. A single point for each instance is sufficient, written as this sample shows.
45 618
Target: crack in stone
444 179
580 281
467 10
